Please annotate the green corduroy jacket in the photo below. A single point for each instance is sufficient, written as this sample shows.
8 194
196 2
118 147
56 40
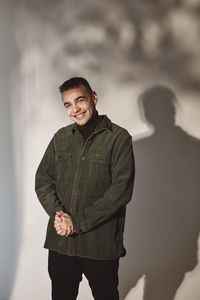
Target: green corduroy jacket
91 181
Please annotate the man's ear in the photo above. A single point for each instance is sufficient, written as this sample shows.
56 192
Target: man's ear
95 97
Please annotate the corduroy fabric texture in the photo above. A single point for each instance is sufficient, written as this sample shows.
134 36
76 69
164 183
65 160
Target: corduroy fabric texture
93 182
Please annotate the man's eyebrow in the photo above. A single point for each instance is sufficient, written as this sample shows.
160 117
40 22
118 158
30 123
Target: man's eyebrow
77 98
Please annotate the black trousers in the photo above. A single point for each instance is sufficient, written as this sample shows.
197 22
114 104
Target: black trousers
66 274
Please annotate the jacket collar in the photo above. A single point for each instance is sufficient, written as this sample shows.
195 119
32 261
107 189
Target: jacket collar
105 123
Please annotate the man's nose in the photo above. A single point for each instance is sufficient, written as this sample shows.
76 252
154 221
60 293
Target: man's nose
75 107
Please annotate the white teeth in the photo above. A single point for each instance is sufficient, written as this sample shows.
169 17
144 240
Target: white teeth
80 116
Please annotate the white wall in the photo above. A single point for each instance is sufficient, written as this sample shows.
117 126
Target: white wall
122 56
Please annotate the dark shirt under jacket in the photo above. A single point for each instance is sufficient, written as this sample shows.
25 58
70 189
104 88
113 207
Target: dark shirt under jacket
87 129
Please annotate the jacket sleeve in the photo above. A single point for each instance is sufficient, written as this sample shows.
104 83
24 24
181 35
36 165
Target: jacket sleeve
45 182
118 194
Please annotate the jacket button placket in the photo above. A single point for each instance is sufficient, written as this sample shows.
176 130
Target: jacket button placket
77 177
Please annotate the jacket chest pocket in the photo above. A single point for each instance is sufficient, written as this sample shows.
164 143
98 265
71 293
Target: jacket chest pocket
101 170
64 162
100 160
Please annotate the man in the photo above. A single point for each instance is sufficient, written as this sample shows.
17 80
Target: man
84 181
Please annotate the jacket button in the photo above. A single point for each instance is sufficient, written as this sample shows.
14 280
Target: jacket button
83 158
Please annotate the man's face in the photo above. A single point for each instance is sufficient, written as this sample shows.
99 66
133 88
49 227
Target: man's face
79 104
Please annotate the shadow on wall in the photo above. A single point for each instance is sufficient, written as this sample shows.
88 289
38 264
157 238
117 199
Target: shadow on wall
163 219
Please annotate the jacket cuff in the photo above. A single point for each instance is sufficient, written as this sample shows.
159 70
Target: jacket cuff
79 222
58 208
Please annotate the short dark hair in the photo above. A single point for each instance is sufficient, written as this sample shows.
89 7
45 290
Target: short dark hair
74 82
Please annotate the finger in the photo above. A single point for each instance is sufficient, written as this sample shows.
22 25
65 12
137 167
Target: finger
57 228
57 223
59 212
66 232
59 231
58 219
72 230
64 218
69 230
63 233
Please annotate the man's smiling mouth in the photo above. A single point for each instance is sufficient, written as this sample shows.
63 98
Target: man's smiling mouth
80 115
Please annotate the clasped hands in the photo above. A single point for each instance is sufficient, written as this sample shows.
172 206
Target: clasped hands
63 224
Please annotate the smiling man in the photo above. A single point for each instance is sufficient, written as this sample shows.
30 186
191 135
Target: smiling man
80 103
84 181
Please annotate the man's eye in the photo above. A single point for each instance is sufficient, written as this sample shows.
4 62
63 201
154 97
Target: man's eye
81 99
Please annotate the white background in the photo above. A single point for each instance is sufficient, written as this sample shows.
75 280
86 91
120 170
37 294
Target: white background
122 55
